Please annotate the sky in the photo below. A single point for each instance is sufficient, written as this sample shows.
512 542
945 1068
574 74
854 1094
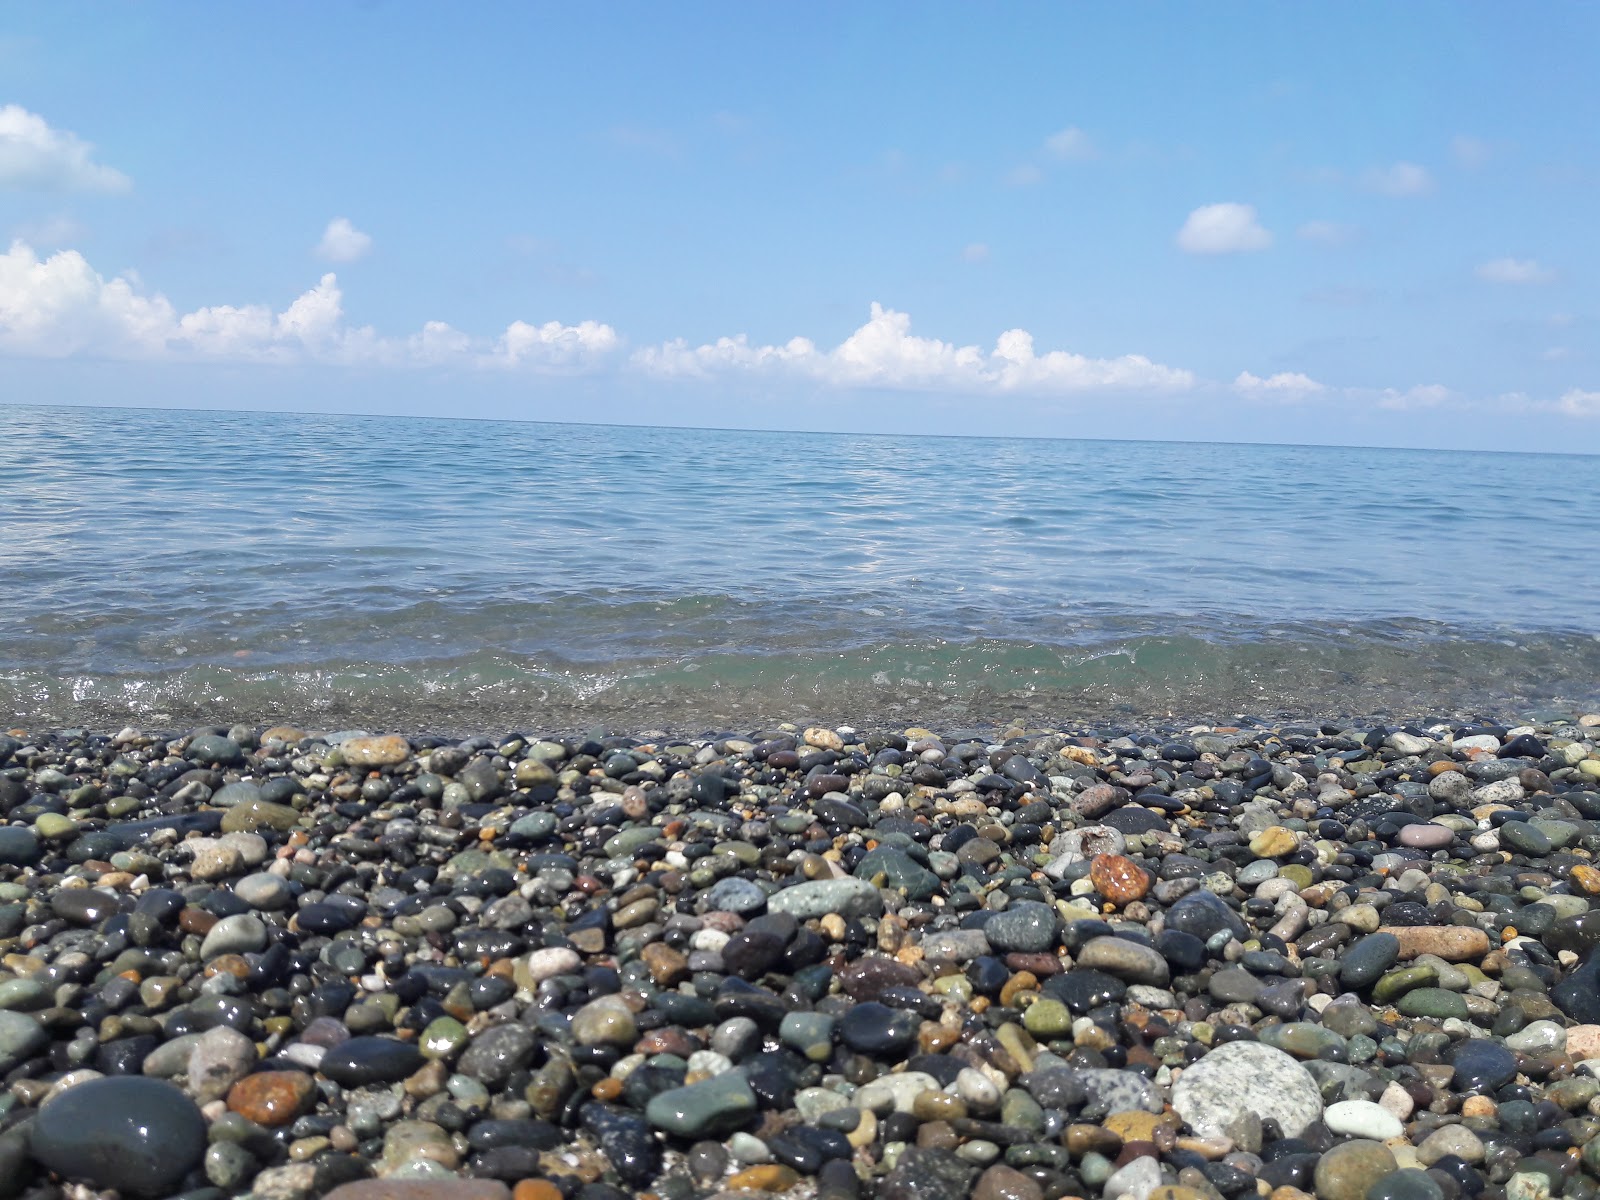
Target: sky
1369 223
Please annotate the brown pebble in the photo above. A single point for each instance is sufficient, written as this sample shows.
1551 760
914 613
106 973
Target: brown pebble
768 1177
420 1189
1001 1182
272 1098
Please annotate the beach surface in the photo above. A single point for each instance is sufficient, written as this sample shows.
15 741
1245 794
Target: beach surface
1351 960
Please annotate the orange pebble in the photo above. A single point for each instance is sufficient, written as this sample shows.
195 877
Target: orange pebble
536 1189
608 1088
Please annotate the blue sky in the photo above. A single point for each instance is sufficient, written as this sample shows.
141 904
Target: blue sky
1364 223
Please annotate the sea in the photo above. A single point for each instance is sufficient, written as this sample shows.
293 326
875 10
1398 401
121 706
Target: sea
168 569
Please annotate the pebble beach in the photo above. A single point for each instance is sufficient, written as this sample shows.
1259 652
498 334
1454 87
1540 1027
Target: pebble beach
1351 960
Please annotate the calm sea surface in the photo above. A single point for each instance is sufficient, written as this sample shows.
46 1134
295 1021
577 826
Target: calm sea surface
178 567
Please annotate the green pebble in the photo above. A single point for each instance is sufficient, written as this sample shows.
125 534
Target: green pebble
54 825
1048 1018
443 1037
1397 983
1433 1002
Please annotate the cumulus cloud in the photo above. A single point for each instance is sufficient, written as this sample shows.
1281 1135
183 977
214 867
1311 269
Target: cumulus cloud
1285 386
1578 403
884 353
1515 270
342 242
1401 179
1070 145
59 306
1223 229
35 157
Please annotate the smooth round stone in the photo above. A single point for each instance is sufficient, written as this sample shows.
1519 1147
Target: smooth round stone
1048 1018
1246 1077
733 895
1482 1065
1525 838
496 1053
1347 1171
1364 963
1256 873
876 1029
1408 1184
242 934
364 1060
138 1135
84 906
272 1098
21 1037
1363 1119
263 890
1538 1037
215 751
604 1022
19 846
1028 927
1426 836
809 1033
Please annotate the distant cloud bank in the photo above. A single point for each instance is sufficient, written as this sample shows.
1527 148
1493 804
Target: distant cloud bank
59 306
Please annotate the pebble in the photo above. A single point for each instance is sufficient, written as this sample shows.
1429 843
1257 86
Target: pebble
140 1136
1009 964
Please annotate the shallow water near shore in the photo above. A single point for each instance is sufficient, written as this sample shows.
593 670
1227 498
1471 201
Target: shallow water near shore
165 566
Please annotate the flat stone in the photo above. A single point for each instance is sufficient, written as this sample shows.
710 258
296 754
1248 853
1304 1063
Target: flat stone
818 898
1027 926
1362 1119
386 751
1123 958
1246 1077
1453 943
710 1108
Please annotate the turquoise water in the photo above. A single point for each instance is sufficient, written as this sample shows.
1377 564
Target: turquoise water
162 566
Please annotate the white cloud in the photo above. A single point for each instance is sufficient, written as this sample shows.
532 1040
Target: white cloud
1577 403
1515 270
1223 229
1070 145
342 242
1401 179
1428 395
976 252
1024 176
60 306
885 353
1329 233
1469 152
1286 385
35 157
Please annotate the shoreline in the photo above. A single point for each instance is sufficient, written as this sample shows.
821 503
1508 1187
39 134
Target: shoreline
1355 962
